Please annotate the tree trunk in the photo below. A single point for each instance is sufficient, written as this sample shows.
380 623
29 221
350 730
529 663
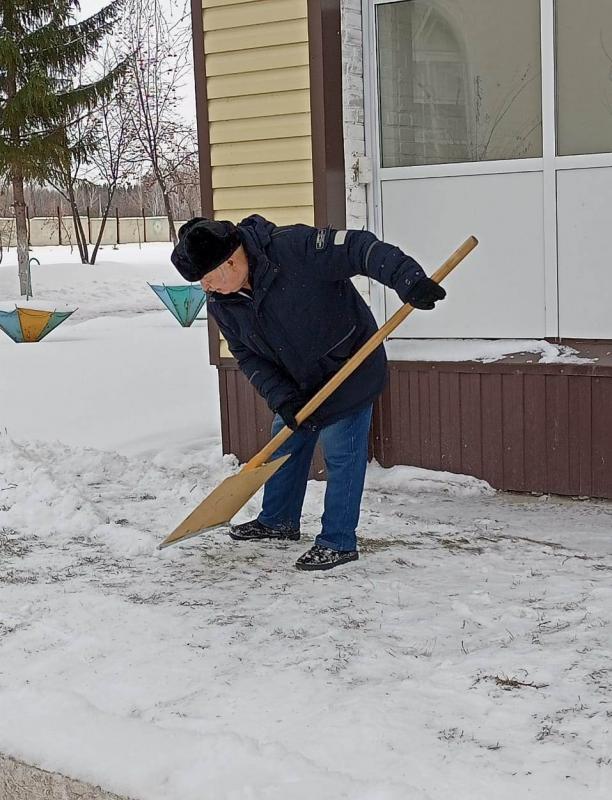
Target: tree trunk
111 194
81 234
78 228
168 206
21 226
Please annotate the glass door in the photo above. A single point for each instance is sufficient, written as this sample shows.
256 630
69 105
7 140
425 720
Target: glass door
457 138
584 166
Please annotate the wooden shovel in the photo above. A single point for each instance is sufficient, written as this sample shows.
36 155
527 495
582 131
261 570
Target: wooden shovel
228 498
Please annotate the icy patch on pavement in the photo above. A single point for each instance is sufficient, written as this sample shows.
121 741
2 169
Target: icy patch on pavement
467 653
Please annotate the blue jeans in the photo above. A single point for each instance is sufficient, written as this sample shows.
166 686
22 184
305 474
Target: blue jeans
345 449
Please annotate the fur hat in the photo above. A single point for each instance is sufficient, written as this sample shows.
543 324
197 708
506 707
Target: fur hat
203 245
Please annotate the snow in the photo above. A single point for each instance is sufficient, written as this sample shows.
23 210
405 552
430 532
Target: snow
116 356
485 350
466 655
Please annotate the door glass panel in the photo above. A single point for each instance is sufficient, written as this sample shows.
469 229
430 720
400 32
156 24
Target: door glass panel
584 77
459 81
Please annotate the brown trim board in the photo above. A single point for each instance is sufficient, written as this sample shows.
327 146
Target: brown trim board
325 46
199 69
201 96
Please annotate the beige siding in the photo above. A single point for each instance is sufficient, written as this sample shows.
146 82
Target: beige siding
263 105
249 83
286 215
270 174
290 194
260 13
258 89
270 127
246 37
215 3
298 148
258 92
257 59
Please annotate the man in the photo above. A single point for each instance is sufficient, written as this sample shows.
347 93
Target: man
283 299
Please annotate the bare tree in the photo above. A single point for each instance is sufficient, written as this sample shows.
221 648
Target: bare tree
160 67
111 158
69 172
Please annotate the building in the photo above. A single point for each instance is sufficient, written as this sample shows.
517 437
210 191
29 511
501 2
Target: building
428 121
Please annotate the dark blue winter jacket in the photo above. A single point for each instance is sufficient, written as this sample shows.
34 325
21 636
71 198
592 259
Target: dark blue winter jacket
305 318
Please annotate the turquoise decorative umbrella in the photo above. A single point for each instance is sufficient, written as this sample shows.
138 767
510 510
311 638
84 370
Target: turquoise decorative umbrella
184 302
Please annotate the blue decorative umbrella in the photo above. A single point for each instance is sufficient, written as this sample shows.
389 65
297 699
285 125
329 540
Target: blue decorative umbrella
30 324
184 302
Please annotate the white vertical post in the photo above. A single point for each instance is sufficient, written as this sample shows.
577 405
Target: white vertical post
372 136
551 271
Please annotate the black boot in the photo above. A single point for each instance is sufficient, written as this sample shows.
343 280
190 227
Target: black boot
324 558
253 531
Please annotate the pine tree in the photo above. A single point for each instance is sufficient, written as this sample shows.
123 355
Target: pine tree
43 51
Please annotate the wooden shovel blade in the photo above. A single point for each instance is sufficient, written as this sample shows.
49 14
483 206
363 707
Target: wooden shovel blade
224 502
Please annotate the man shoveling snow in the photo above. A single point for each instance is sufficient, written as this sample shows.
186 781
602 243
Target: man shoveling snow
283 299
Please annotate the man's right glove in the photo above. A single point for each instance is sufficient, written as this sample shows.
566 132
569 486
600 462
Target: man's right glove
424 294
288 410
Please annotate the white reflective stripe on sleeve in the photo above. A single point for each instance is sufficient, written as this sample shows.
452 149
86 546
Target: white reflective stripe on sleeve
340 237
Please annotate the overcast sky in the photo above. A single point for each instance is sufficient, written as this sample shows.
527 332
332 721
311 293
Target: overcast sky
187 91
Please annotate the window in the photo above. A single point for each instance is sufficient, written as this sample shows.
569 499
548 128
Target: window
584 77
459 80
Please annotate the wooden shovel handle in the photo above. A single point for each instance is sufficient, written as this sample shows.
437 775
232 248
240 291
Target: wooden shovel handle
360 356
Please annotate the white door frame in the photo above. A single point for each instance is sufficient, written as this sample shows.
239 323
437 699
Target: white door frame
548 165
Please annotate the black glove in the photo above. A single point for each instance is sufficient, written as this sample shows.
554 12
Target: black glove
288 410
424 294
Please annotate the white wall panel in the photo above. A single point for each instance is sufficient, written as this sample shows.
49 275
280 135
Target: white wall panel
584 207
498 292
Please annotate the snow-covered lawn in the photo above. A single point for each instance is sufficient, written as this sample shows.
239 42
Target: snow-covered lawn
467 655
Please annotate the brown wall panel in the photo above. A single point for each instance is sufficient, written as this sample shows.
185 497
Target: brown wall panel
425 418
248 419
471 425
234 403
533 429
382 428
541 428
434 451
414 426
396 438
450 422
513 419
557 433
580 433
601 410
492 430
536 476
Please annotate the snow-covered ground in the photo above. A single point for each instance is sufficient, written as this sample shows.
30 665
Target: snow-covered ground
468 654
121 373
